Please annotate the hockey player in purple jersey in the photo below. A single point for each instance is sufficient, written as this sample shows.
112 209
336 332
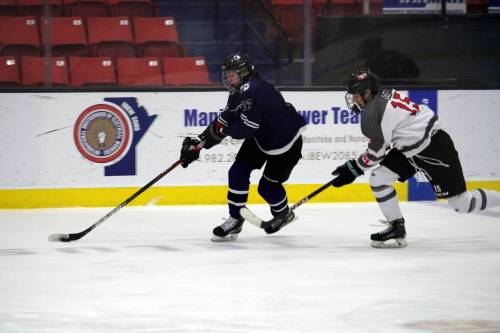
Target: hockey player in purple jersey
272 130
405 138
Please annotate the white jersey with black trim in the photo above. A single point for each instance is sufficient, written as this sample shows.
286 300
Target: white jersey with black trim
392 120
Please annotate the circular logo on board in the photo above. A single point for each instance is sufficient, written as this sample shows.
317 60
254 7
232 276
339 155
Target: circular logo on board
102 133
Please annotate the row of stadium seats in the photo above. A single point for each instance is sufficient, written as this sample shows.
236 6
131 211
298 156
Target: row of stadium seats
83 71
132 8
91 36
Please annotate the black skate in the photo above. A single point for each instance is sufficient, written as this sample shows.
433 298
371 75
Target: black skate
393 236
228 231
279 221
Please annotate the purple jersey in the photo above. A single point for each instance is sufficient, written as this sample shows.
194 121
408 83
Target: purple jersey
257 109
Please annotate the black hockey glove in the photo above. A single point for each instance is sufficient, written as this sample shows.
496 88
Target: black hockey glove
188 151
212 135
346 173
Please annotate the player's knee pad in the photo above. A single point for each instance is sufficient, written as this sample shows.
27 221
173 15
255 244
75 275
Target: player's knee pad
381 180
382 176
467 202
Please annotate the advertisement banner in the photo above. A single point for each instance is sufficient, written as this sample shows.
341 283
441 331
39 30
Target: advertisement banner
119 139
423 7
494 6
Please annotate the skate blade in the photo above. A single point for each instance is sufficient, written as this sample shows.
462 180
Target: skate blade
390 244
228 238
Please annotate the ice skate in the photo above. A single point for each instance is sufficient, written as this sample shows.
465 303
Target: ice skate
391 237
279 221
228 231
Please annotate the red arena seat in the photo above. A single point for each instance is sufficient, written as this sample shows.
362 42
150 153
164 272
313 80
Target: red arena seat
110 36
9 71
68 37
132 8
34 71
185 71
290 15
92 71
85 8
36 7
19 36
156 36
139 71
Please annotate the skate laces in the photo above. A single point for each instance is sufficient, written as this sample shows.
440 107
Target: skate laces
229 223
388 229
379 223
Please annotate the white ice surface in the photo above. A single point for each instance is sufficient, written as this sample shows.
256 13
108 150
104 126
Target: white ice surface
154 269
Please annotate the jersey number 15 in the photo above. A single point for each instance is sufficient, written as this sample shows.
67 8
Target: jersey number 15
404 103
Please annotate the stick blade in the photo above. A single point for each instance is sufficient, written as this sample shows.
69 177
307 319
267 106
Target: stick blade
59 238
248 215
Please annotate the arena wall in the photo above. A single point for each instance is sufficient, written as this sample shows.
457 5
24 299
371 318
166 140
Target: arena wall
96 149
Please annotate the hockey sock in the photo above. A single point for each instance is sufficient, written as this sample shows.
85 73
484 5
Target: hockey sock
274 193
239 183
473 201
381 180
492 198
388 201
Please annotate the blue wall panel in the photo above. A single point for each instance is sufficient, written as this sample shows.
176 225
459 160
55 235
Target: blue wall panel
419 191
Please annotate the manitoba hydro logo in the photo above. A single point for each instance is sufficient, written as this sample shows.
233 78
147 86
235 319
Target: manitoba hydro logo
108 133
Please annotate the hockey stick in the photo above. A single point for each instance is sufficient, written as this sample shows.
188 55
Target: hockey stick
248 215
78 235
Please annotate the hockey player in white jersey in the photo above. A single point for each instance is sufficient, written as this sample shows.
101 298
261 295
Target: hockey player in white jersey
405 138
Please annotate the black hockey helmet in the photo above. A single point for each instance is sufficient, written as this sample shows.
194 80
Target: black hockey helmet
241 63
362 80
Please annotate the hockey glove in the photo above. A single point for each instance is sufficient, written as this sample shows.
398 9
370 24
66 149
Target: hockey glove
188 151
346 173
212 135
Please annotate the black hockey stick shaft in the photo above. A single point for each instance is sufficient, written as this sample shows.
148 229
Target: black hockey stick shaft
78 235
257 221
312 195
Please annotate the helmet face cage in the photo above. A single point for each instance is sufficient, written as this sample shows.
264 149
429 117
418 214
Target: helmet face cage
242 74
239 63
223 78
359 82
350 104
